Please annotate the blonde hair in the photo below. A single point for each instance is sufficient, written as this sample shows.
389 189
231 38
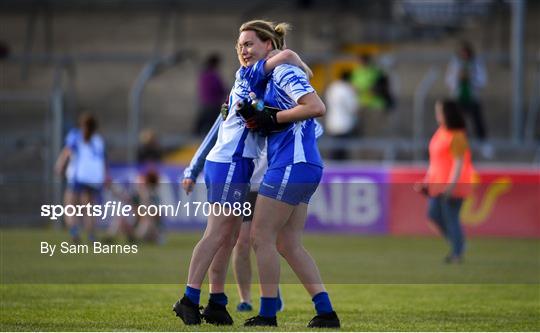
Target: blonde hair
267 31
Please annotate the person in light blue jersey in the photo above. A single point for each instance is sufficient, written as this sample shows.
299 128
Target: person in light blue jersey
83 161
294 172
228 169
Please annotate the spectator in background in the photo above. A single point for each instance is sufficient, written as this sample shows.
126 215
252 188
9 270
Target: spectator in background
211 92
138 228
372 85
373 88
449 176
149 150
465 76
83 160
342 112
145 228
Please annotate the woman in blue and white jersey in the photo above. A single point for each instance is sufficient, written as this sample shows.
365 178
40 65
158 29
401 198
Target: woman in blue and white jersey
294 172
241 252
84 156
228 169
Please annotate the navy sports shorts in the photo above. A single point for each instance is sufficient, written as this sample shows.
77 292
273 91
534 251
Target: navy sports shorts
292 184
228 182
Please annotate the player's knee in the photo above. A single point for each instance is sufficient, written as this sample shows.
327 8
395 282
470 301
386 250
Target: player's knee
287 248
222 236
261 237
215 239
282 249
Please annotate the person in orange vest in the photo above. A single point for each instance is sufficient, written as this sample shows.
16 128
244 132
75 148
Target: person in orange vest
449 177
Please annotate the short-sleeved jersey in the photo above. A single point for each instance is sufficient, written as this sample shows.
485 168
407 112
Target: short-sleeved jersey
459 144
234 140
444 148
297 143
261 163
87 160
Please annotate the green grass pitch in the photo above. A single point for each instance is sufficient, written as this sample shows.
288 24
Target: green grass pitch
376 284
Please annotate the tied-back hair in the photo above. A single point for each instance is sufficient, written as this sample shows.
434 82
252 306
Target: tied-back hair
88 125
453 115
267 30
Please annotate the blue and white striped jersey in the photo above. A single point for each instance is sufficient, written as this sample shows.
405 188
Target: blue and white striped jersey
234 140
297 143
197 162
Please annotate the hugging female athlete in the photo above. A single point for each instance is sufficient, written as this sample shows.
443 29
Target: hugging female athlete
294 172
228 169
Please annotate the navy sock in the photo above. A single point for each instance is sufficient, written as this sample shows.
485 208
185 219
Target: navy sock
322 303
194 295
219 298
74 231
268 307
91 238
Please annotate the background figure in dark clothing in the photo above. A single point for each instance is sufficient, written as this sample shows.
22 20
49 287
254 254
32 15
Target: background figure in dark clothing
212 94
465 76
149 150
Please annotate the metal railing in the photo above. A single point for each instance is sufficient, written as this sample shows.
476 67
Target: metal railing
534 106
420 95
151 69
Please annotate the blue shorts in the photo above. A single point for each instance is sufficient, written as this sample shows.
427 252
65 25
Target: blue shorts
291 184
228 182
78 187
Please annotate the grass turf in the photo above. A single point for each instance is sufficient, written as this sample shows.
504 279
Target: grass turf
376 284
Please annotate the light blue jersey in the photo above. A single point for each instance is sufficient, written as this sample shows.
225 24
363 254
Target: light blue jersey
87 160
234 140
296 144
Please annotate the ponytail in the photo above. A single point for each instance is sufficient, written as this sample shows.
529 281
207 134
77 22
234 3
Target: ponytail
267 30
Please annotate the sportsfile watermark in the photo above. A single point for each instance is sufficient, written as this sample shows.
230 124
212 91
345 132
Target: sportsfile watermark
112 209
369 232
